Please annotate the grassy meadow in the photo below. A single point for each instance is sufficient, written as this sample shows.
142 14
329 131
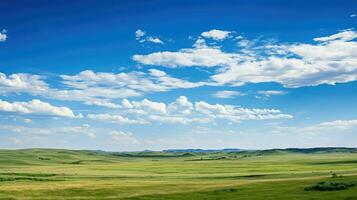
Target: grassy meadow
270 174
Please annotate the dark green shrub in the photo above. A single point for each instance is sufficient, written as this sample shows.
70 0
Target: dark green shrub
43 158
329 186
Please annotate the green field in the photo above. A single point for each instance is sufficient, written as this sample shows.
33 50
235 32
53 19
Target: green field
271 174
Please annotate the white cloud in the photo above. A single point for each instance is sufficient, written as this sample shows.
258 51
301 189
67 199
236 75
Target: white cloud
103 103
150 106
3 36
216 34
225 94
184 120
94 88
346 35
182 111
237 114
139 33
266 94
117 119
36 107
154 40
91 132
22 129
332 60
123 85
337 124
200 57
200 43
244 43
335 127
167 82
353 15
271 92
19 83
181 106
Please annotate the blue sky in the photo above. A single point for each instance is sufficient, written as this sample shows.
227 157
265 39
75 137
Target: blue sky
123 75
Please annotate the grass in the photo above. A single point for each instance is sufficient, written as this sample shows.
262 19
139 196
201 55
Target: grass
273 174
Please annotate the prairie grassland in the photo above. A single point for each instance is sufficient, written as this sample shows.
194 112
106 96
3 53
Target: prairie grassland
66 174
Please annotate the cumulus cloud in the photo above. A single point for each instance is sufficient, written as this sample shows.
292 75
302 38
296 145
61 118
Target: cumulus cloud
36 86
332 59
328 62
149 106
182 111
36 107
95 88
181 106
19 83
216 34
225 94
200 43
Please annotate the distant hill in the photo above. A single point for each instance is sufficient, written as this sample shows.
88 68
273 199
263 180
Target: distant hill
200 150
322 150
268 151
63 156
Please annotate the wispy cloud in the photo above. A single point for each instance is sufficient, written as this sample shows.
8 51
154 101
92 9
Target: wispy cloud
64 131
225 94
336 126
3 35
199 57
269 93
140 36
154 40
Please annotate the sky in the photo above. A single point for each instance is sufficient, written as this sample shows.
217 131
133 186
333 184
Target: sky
152 75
